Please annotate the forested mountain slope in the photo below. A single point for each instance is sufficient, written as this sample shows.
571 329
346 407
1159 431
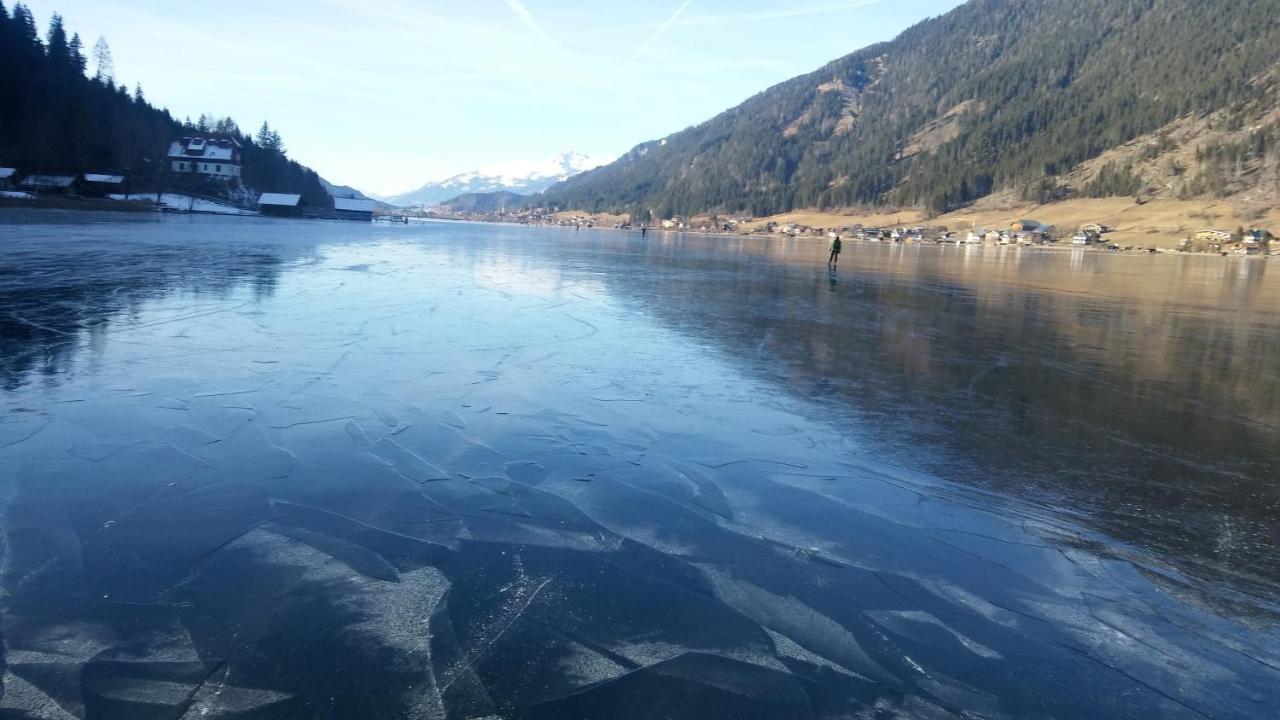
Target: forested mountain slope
54 118
996 95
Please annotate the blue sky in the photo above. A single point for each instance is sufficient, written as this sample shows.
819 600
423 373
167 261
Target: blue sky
386 95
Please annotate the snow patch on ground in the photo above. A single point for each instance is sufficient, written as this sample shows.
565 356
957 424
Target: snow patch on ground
186 203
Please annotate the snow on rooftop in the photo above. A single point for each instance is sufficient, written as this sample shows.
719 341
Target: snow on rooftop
353 205
49 181
108 179
7 172
202 149
279 200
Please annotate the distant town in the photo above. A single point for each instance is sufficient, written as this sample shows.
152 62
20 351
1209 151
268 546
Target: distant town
1018 233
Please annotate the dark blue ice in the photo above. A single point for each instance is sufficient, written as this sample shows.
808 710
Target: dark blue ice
255 469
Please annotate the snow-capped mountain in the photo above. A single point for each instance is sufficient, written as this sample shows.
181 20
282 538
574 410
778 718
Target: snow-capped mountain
523 178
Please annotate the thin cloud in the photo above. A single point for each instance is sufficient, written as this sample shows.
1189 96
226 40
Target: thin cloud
781 14
522 11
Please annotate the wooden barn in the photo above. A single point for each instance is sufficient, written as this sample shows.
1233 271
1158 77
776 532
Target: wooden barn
51 184
280 204
353 209
101 185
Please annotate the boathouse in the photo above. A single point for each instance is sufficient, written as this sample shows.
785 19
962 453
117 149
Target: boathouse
51 184
280 204
353 209
100 185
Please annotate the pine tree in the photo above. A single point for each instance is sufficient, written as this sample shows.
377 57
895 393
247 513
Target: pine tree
269 139
26 23
75 54
204 124
138 97
277 144
56 42
105 70
263 138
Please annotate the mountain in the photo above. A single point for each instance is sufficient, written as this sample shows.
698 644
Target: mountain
489 202
1041 99
343 191
518 178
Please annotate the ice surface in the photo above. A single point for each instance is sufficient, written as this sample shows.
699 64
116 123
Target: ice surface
286 470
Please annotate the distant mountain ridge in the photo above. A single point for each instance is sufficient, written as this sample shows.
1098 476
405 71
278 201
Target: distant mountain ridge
1040 99
343 191
517 178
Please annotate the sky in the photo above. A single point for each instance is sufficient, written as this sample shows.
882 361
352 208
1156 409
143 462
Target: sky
387 95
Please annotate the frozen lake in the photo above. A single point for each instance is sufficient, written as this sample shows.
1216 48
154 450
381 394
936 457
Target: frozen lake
255 469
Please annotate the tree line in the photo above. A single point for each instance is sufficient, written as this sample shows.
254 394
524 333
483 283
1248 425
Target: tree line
60 114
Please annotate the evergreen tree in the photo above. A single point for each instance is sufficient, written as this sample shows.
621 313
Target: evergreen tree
269 139
56 41
27 35
75 54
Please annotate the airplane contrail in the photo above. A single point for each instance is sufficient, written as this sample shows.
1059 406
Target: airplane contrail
522 11
666 25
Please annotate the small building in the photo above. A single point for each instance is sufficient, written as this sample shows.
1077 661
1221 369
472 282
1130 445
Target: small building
352 209
1026 226
51 184
7 178
218 157
1086 237
99 185
1097 229
1214 237
280 204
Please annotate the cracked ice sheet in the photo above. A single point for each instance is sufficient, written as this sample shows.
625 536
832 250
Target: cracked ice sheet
411 470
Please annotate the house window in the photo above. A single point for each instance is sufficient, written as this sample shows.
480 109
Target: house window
219 169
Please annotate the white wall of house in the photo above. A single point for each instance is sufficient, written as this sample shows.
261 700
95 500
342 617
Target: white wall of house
206 167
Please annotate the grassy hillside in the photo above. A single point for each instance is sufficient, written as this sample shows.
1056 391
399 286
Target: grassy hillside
1006 96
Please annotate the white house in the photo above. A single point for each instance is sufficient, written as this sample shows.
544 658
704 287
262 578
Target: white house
219 157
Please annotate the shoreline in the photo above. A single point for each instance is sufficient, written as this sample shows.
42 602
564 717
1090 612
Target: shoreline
1060 247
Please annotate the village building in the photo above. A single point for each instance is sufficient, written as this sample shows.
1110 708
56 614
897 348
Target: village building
7 178
353 209
280 204
51 184
99 185
1214 237
1086 237
215 157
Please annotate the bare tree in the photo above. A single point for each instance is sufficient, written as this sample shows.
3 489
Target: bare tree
105 68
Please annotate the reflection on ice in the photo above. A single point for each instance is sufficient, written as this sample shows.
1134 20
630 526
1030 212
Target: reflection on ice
282 470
